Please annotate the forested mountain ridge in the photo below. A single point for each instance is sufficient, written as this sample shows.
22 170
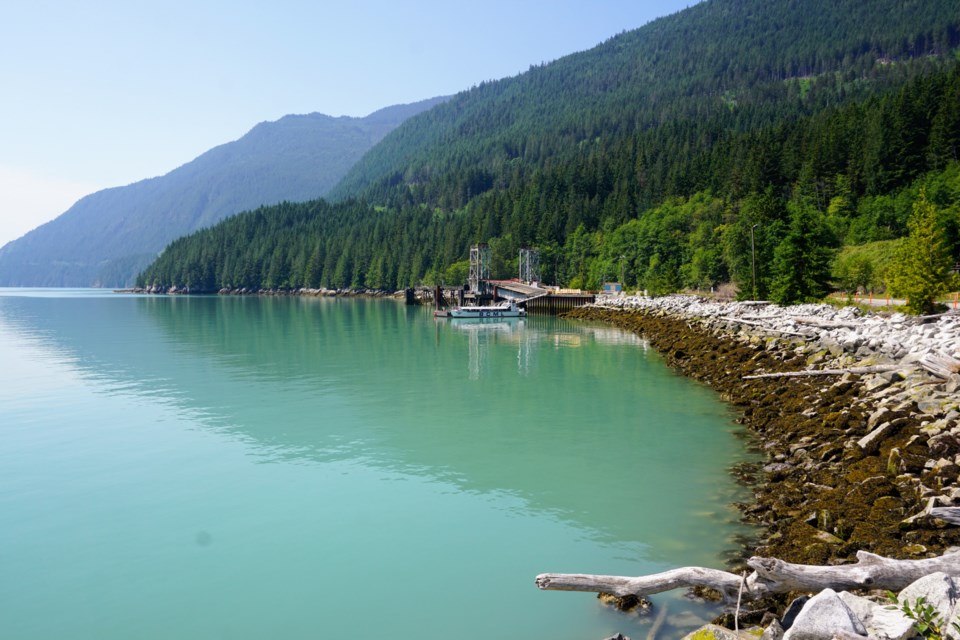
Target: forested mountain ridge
650 157
106 238
730 61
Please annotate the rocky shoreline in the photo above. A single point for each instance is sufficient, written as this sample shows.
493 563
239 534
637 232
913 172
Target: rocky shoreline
853 461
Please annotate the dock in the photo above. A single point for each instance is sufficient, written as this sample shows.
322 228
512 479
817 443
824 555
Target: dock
536 299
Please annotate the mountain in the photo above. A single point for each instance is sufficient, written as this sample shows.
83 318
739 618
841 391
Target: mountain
106 238
656 156
732 64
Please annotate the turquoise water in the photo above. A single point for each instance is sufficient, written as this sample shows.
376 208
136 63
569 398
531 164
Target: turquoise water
225 467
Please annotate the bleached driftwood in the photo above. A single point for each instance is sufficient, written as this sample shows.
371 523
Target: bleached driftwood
821 323
760 325
940 365
770 575
935 316
947 514
722 581
877 368
870 572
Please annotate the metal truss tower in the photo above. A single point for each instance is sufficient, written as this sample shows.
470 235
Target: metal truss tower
479 267
529 265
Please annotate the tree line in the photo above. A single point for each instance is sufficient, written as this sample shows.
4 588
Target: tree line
690 204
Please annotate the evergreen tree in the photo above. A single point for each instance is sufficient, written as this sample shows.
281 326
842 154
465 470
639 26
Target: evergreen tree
921 272
801 262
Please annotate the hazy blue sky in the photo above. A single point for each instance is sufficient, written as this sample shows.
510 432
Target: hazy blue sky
103 93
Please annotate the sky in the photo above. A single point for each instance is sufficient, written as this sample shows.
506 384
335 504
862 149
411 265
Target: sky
103 93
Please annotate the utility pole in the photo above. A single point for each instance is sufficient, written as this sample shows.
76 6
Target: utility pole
753 260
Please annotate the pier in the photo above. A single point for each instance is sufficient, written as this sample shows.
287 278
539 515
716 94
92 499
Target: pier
525 290
536 299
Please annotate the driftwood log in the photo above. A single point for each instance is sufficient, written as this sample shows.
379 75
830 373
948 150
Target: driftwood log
769 576
940 365
935 316
877 368
760 325
821 323
947 514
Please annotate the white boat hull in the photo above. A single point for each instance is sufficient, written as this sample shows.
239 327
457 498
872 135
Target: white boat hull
500 311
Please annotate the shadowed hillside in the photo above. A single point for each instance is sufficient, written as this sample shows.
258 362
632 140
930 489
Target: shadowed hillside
106 238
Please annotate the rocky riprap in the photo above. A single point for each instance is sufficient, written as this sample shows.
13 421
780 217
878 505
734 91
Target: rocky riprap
847 616
851 462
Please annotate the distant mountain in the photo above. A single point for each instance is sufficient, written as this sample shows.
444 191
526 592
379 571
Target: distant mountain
106 238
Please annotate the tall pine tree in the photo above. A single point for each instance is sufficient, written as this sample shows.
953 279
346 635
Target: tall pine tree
801 262
922 269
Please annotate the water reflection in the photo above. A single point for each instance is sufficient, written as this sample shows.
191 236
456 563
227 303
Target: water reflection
571 419
528 335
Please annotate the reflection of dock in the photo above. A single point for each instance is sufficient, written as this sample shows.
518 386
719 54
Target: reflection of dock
529 335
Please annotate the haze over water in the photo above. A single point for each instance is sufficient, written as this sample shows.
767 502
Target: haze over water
225 467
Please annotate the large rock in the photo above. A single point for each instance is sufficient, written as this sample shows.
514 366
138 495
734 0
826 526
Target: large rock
824 615
870 443
952 630
937 589
881 621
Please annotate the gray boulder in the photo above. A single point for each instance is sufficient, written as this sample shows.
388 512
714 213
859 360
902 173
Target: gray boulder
824 616
881 621
937 589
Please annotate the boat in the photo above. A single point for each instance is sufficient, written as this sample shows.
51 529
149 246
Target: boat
503 310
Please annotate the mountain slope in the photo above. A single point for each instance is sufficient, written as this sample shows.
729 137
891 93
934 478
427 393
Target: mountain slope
106 238
741 63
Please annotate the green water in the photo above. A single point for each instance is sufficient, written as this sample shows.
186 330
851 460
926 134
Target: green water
224 467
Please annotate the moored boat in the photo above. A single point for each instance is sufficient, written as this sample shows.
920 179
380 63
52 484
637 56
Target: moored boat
504 310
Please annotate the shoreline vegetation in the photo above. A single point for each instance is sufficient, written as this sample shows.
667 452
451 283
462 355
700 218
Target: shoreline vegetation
860 459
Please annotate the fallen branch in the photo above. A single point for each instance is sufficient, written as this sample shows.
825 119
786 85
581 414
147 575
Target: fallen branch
657 623
935 316
765 327
870 572
820 323
877 368
726 583
770 575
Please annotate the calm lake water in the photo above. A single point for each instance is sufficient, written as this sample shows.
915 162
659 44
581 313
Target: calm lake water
225 467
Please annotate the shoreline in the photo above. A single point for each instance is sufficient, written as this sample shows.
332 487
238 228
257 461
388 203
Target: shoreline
243 291
852 461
